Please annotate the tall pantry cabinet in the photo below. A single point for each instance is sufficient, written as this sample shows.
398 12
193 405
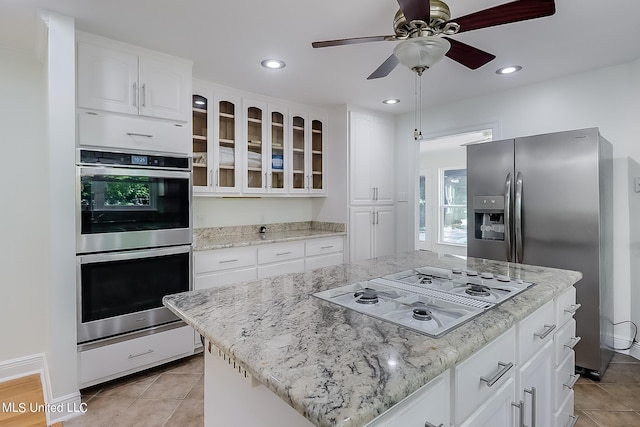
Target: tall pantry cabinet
371 186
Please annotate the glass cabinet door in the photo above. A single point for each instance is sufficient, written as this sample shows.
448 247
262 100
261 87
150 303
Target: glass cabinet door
255 149
299 153
317 155
227 149
277 152
201 143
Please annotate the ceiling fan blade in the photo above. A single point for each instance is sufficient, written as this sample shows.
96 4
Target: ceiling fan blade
520 10
469 56
385 68
415 9
354 40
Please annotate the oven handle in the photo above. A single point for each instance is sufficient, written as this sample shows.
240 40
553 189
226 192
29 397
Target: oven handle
135 254
122 171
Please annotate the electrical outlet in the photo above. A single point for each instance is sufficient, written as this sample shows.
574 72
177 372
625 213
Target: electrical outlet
637 184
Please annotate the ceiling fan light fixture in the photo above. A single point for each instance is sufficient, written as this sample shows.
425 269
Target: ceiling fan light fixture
391 101
273 64
420 53
509 70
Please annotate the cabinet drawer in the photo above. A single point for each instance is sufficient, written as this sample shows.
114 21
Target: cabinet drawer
428 404
565 378
134 133
324 246
564 416
133 355
566 306
227 277
535 331
323 261
481 375
224 259
280 252
276 269
564 341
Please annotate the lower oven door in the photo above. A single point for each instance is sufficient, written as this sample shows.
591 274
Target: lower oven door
121 292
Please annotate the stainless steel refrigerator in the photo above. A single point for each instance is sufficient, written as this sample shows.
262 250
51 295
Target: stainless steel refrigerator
547 200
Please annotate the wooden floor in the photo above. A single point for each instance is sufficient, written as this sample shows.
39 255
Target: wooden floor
23 402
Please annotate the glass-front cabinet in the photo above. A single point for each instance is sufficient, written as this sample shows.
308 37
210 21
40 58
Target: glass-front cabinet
308 155
243 146
255 179
227 145
277 143
202 142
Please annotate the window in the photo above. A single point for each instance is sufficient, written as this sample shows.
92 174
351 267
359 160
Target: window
453 206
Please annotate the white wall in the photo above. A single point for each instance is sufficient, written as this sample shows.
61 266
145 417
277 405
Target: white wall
24 224
604 98
222 212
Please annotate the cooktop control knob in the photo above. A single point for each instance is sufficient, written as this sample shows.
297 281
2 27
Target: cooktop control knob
471 273
486 275
503 278
456 270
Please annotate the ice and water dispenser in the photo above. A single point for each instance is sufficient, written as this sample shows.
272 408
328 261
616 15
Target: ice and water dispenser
489 215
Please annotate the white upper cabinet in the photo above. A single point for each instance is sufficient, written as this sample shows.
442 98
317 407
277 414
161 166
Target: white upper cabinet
371 149
255 146
307 153
227 149
277 149
120 78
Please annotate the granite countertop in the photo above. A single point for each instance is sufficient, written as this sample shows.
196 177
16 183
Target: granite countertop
338 367
228 237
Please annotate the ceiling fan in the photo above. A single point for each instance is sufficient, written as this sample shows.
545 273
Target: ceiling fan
422 26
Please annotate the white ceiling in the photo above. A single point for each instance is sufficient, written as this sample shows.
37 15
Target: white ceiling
228 39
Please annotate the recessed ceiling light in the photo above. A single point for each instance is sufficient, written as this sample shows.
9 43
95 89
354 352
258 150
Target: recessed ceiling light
509 70
391 101
273 64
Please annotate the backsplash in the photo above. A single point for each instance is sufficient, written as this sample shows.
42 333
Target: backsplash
219 232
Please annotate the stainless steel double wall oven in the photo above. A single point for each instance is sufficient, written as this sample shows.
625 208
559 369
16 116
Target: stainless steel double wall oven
134 235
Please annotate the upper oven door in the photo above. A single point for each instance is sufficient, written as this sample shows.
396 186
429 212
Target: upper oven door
126 208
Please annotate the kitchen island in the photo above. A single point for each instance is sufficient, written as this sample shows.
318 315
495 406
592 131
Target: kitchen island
338 367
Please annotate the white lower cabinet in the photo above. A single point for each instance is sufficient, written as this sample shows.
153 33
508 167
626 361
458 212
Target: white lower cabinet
100 364
477 378
497 411
428 407
534 389
372 232
218 267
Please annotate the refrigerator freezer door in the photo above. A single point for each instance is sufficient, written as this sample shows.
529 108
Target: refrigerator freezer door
490 178
560 219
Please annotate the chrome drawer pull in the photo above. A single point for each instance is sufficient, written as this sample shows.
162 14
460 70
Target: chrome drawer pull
133 356
520 407
574 420
543 335
146 135
428 424
326 247
227 261
505 368
573 309
573 343
532 392
574 380
283 253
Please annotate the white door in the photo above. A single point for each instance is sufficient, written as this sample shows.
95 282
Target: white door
384 231
361 233
107 79
362 146
164 89
534 387
383 160
497 411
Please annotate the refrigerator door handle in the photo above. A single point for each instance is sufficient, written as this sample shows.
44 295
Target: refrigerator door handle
507 216
517 205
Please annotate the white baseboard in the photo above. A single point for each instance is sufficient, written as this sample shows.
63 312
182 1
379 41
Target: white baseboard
620 342
59 409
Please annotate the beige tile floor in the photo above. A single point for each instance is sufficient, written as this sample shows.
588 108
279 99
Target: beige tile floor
172 396
168 396
615 400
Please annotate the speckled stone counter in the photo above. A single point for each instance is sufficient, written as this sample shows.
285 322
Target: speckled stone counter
247 235
338 367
